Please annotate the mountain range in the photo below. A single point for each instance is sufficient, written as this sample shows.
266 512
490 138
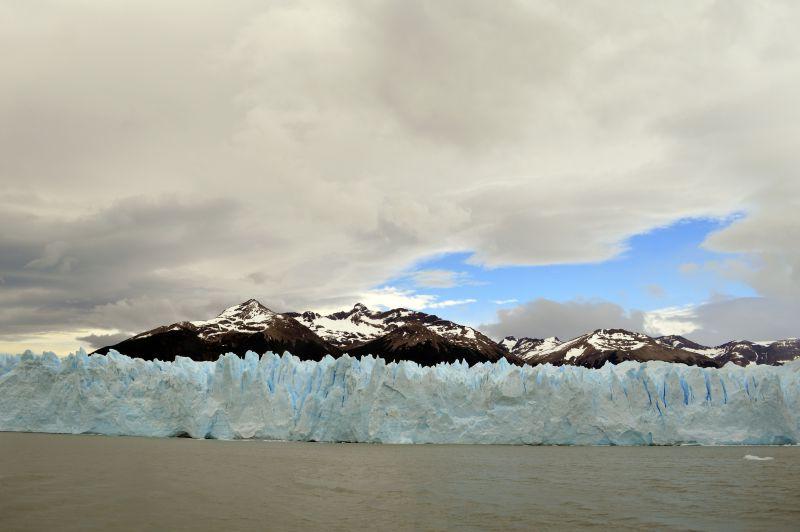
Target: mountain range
402 334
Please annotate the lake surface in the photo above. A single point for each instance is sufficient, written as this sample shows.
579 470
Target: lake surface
98 483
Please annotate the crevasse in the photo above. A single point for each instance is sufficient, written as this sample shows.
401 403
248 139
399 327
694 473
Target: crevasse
368 400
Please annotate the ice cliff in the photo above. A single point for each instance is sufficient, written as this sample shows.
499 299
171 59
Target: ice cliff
367 400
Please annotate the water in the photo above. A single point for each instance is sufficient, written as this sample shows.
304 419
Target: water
99 483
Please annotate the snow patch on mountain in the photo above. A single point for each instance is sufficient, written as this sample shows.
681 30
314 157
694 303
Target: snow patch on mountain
530 348
360 325
605 340
574 353
508 343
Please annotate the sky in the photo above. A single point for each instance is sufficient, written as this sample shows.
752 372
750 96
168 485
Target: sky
529 168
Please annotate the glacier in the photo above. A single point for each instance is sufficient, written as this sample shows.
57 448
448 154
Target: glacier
280 397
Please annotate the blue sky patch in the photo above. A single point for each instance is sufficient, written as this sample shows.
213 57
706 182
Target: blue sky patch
665 267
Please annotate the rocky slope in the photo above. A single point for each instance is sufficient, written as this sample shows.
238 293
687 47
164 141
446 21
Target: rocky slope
428 346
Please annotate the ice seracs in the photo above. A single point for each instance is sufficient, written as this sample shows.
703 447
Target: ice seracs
368 400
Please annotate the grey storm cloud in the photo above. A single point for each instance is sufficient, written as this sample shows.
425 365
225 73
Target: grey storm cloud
542 318
162 159
721 320
744 318
101 340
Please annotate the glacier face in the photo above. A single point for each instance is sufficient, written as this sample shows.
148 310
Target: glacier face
367 400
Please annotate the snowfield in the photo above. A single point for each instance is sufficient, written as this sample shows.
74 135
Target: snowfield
367 400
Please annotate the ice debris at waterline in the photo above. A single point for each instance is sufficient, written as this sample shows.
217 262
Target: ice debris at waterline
367 400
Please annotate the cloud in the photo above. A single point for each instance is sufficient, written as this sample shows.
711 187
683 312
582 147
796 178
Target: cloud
768 262
439 278
392 297
340 144
451 303
541 318
97 341
671 320
722 320
505 301
719 320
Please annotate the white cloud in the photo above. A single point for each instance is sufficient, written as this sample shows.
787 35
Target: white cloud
451 303
505 301
671 320
391 297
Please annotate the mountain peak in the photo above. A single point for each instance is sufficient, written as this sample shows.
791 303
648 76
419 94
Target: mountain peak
248 316
252 303
360 307
249 308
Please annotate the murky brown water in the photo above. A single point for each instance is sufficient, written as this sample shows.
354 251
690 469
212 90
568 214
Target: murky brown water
100 483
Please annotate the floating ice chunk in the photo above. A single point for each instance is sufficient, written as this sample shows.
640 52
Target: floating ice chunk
754 457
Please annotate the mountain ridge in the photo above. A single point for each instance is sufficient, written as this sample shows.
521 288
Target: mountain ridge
403 334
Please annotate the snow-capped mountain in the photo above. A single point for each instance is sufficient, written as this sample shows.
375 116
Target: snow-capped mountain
402 334
529 348
247 326
248 317
741 352
593 350
424 338
359 325
679 342
772 352
351 327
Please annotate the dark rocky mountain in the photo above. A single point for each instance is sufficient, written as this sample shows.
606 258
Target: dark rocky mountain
741 352
428 347
360 325
679 342
744 352
402 334
529 348
249 326
593 350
